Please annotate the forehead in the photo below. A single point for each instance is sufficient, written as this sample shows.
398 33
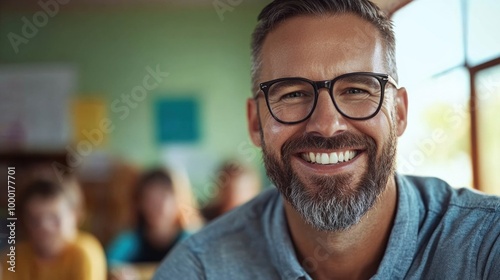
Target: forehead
322 47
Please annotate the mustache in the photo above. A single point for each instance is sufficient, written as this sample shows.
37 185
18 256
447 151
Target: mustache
341 141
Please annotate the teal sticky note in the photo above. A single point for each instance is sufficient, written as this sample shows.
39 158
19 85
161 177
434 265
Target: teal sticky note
177 120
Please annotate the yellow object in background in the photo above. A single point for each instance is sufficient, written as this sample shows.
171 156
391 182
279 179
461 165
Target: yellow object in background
89 116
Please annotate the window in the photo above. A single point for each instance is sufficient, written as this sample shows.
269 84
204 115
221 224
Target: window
450 69
483 42
488 114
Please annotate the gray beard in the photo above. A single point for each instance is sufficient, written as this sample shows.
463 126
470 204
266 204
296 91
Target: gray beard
333 203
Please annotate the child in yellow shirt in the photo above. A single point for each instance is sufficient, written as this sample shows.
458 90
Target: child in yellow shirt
54 248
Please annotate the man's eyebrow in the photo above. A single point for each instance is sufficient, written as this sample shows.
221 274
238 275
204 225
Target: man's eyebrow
289 83
361 79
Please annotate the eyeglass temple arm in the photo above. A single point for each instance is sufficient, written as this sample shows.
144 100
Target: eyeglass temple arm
393 82
255 95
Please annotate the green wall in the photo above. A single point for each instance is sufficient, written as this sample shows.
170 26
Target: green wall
207 58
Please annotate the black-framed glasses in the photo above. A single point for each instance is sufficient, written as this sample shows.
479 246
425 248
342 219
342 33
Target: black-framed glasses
357 96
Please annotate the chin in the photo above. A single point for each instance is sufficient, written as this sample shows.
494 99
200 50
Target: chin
51 250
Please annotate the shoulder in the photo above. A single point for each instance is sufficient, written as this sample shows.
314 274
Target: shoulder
126 237
89 256
23 251
455 227
462 208
17 262
438 196
86 240
123 248
244 221
234 239
86 248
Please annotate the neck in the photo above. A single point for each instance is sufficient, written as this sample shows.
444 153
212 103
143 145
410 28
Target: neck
355 253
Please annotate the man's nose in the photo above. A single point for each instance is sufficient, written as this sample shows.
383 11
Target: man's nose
326 120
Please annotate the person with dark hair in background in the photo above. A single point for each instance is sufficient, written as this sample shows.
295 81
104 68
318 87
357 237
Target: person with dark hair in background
159 226
55 248
327 110
235 185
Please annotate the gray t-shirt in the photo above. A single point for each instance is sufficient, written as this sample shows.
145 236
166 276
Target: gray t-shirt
439 233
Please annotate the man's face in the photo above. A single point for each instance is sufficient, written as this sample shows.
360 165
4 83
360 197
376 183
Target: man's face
331 196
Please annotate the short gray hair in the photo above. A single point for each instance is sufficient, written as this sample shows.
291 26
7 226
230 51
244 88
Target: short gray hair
279 11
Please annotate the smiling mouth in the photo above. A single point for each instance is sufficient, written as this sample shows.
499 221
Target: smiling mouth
329 158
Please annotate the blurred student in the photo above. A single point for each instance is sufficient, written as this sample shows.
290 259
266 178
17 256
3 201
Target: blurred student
235 185
158 228
55 248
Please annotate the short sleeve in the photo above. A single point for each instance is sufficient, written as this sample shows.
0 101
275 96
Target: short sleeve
181 263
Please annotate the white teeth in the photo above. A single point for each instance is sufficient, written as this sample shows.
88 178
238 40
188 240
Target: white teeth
334 158
325 159
352 154
329 158
312 157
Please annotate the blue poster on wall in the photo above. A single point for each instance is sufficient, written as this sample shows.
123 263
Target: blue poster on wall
177 120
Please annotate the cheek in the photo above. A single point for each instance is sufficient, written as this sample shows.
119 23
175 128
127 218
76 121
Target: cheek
150 208
275 133
67 223
378 127
266 120
48 229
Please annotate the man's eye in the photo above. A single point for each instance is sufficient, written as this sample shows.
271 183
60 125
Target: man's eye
295 94
355 91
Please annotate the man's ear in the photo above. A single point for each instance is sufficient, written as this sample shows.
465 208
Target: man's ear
253 122
401 110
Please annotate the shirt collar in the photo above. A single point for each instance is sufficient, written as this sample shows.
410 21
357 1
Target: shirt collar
400 249
280 244
402 244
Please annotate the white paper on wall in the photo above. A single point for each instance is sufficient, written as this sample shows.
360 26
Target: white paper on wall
35 106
